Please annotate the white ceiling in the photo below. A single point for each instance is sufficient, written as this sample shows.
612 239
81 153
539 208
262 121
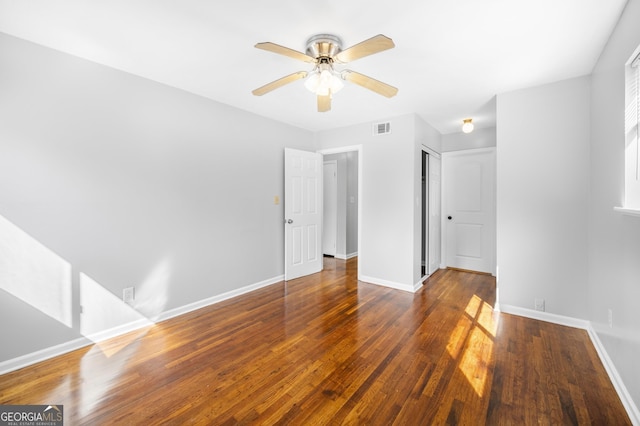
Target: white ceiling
451 57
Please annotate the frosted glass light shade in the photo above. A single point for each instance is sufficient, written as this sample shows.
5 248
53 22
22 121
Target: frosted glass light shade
323 83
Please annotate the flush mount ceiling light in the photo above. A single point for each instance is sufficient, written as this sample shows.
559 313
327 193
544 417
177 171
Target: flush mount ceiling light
325 50
467 125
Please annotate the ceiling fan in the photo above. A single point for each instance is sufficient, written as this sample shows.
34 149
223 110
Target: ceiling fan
325 50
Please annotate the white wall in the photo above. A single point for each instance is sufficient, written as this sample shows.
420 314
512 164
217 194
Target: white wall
428 136
133 183
479 138
542 196
614 239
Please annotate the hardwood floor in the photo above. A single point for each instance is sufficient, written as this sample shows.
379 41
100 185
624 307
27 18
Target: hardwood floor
327 349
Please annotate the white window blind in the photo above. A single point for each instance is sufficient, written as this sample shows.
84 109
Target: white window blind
632 134
632 111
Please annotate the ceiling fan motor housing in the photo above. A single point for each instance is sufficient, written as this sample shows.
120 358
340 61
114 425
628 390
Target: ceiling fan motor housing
324 46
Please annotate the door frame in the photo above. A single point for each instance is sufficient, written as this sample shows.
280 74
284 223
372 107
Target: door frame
426 223
426 232
358 149
435 246
334 212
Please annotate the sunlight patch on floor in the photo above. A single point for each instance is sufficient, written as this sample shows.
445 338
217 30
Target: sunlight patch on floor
475 360
488 319
457 337
473 305
474 335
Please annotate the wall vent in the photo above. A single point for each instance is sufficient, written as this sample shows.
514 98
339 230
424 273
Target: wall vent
381 128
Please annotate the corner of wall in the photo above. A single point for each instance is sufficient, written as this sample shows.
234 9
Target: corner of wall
616 380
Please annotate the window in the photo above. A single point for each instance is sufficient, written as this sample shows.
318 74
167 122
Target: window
632 132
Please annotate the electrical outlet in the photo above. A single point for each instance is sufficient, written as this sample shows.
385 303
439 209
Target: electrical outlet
539 305
610 318
128 295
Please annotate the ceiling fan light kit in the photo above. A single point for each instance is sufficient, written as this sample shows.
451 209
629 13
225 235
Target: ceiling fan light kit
324 81
325 50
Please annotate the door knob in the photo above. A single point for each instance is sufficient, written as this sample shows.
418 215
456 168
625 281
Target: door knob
449 217
289 221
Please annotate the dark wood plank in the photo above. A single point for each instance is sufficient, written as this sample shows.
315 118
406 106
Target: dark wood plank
327 349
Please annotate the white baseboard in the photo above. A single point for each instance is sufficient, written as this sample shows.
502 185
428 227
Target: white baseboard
63 348
618 384
417 286
343 256
386 283
171 313
119 330
42 355
614 376
545 316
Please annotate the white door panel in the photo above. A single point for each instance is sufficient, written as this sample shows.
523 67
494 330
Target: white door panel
303 213
468 240
469 209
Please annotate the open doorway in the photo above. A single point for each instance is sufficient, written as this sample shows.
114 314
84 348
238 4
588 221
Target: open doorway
341 199
345 203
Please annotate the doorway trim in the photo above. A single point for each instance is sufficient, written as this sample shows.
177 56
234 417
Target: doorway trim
427 233
358 149
330 209
433 157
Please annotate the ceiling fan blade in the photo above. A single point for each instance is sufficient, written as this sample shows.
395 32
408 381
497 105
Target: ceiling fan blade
324 103
368 47
370 83
281 50
279 83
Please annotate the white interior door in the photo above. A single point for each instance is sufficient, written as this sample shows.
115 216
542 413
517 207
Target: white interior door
330 208
469 209
303 213
435 208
